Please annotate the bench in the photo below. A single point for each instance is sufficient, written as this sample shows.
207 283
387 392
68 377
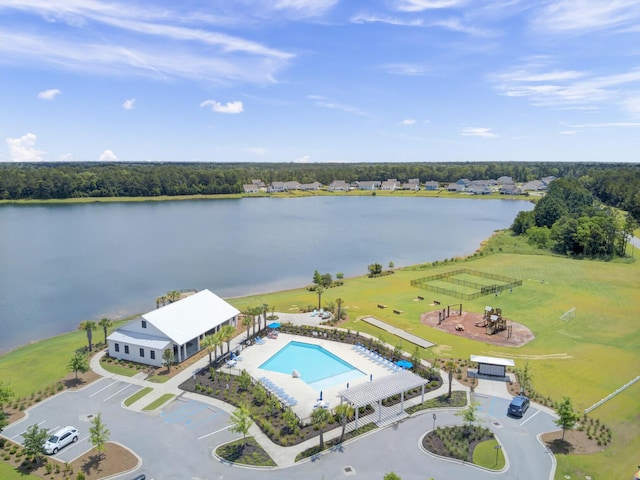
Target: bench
381 306
459 327
397 312
420 298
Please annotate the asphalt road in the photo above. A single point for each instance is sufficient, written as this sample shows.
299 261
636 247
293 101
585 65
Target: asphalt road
177 441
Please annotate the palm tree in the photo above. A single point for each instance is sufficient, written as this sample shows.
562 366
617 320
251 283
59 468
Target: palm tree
265 309
88 326
319 291
247 320
105 323
209 343
339 302
320 417
218 341
228 332
173 296
344 411
449 367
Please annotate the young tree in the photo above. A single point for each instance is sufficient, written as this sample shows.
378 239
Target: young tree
78 363
327 280
567 418
339 302
106 324
265 310
391 265
98 434
259 394
317 278
4 421
416 358
228 332
345 412
525 377
320 417
319 291
6 393
247 320
291 420
391 476
208 344
244 380
88 326
469 414
218 341
449 367
33 442
241 421
168 359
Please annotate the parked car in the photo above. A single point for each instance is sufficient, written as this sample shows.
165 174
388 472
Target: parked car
60 439
518 406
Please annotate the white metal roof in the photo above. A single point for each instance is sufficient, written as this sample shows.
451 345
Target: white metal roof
190 317
505 362
371 392
139 339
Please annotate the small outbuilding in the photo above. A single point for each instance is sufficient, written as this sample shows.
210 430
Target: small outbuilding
492 366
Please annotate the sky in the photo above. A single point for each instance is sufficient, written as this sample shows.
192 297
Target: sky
320 80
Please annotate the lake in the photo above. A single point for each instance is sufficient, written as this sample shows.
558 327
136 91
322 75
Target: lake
61 264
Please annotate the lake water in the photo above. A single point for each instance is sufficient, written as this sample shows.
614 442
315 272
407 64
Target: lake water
61 264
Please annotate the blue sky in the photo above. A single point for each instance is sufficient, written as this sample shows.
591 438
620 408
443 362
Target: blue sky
320 80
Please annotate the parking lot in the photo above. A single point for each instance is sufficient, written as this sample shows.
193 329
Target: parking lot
185 430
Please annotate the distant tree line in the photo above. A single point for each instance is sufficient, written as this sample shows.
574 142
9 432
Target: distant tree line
570 220
45 181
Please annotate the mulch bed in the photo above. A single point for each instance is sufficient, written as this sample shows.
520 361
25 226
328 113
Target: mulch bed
520 335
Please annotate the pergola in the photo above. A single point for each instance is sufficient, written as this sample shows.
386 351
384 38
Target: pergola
374 391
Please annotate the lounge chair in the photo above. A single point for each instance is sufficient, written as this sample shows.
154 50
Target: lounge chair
231 363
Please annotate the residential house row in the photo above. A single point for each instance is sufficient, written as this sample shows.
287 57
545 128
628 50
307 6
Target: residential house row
503 185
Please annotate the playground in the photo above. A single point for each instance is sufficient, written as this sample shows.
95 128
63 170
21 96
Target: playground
475 326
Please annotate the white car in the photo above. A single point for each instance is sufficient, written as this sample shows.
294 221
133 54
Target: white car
60 438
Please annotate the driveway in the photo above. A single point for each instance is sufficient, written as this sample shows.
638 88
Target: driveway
177 441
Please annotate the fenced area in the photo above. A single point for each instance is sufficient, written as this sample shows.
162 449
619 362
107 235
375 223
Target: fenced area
469 284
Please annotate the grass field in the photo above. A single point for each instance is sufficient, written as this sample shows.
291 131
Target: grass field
585 358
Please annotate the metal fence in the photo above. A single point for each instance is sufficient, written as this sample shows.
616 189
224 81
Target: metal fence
507 283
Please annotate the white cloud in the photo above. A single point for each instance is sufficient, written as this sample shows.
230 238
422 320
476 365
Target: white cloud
303 159
570 132
306 8
129 104
632 105
325 103
608 125
49 94
583 16
23 149
420 5
366 18
457 25
408 69
229 107
477 132
408 121
108 156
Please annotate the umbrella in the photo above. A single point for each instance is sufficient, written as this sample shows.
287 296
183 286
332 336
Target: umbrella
404 364
320 395
274 325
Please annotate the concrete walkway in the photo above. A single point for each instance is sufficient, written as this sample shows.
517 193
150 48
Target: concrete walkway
283 456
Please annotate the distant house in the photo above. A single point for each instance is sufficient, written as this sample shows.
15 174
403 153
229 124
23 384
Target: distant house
369 185
505 181
250 188
179 326
292 186
455 187
411 186
431 185
547 180
389 185
339 186
533 185
510 190
479 190
311 186
464 181
259 183
276 187
483 183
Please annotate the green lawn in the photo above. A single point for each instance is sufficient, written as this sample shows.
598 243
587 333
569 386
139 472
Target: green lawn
137 396
7 472
485 455
159 401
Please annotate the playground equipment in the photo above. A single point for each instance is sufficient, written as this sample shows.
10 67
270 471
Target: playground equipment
493 321
446 312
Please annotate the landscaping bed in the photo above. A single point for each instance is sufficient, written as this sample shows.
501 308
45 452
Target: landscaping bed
456 442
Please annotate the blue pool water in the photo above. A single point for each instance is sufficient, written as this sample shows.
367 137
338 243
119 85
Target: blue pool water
317 366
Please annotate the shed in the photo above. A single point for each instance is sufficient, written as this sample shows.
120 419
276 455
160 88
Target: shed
493 366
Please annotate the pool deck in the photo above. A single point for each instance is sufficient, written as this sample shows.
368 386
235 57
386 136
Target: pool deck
306 395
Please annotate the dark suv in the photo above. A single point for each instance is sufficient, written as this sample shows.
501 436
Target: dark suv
518 406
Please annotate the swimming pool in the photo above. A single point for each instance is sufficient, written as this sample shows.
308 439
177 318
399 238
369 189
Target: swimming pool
317 366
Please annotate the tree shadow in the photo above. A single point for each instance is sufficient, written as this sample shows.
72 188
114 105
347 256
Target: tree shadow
92 463
73 382
559 446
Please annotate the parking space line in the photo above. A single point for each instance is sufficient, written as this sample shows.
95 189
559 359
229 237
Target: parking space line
119 391
206 420
213 433
104 388
530 418
19 434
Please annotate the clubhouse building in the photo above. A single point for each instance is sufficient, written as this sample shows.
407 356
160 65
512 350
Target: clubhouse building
180 326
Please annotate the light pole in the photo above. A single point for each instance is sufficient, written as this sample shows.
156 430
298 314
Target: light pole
497 447
434 422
